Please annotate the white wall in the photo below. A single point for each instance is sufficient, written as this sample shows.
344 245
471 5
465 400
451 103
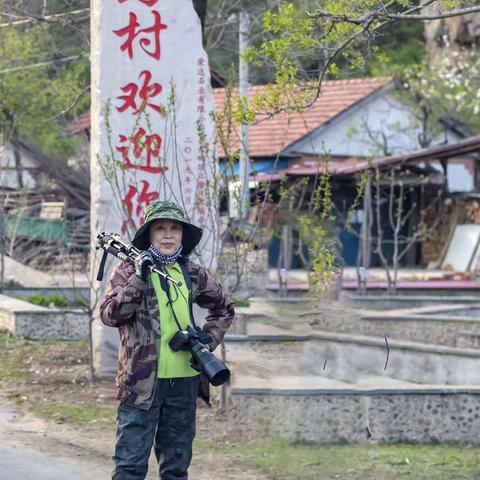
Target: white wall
380 116
460 178
8 175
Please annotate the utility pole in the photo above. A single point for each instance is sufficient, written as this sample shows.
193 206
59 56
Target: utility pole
244 27
2 250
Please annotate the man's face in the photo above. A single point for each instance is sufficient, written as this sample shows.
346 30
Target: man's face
166 235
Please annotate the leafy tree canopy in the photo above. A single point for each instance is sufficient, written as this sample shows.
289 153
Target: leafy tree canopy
44 80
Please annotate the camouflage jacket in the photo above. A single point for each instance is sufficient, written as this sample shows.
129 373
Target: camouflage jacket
131 305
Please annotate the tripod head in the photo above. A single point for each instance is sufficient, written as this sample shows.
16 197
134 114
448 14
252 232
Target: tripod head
113 244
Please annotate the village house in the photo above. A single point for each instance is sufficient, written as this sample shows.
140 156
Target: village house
354 125
44 203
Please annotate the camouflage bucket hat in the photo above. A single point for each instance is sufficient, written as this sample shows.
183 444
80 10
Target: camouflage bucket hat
171 211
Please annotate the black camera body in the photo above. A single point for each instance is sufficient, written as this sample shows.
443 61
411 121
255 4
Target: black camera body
202 358
181 340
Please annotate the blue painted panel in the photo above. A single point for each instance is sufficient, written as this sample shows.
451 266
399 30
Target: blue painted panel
258 166
350 243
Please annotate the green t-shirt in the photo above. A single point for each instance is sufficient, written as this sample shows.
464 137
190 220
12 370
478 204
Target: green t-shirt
173 364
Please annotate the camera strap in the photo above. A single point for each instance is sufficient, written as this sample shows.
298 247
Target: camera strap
101 268
166 288
186 275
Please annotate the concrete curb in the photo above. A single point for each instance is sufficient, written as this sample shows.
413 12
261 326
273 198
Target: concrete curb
359 340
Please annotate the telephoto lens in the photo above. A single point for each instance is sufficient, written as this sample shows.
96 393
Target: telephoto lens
215 370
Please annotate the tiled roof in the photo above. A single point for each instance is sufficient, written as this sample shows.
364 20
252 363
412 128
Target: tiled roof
272 135
81 123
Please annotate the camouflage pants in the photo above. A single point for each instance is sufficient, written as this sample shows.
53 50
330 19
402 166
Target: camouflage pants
169 425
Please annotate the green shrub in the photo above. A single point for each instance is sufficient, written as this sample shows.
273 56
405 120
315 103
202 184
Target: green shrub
240 302
44 301
81 302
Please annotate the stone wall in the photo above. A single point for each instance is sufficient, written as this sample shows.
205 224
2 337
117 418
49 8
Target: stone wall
41 323
437 329
382 301
468 340
424 328
57 325
353 416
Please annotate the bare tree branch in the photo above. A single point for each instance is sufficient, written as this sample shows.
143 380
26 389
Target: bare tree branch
384 14
70 107
40 64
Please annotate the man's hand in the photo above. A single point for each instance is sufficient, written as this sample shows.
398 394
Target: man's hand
141 264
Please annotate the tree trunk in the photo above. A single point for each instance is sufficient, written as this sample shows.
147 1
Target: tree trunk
2 251
18 166
365 240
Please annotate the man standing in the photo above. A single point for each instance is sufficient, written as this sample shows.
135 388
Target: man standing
157 386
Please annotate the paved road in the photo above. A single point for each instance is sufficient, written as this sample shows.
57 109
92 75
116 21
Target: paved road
25 464
32 449
23 457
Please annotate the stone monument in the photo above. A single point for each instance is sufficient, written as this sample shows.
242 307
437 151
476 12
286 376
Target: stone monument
152 136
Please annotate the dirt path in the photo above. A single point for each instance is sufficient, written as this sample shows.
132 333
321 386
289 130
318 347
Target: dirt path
40 381
31 446
26 438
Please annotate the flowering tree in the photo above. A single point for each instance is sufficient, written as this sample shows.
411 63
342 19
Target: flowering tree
445 87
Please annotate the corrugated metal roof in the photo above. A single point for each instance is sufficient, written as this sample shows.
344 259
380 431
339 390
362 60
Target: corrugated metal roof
349 166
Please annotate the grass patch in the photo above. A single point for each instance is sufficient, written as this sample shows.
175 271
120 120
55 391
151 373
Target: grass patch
15 353
82 344
47 377
11 366
78 414
240 302
82 303
282 460
8 340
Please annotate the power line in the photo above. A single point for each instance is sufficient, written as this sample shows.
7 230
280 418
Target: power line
40 64
46 18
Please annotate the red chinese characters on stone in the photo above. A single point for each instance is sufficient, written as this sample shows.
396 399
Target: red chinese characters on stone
146 36
139 144
148 3
138 97
135 202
